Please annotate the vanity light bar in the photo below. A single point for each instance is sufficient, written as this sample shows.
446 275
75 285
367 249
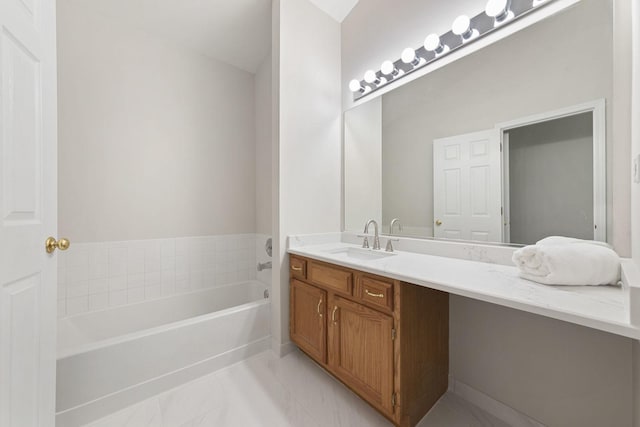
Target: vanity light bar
463 31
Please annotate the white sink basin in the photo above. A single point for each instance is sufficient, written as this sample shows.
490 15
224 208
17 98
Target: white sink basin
360 254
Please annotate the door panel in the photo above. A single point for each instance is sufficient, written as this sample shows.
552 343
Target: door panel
361 350
467 187
307 324
27 212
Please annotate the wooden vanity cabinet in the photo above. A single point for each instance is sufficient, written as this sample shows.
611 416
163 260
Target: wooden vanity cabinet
386 340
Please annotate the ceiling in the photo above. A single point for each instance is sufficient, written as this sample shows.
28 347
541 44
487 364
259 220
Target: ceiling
337 9
237 32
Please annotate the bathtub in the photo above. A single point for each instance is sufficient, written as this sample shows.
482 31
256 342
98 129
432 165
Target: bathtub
110 359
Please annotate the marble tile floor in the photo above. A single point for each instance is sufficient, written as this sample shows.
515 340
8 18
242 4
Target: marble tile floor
265 390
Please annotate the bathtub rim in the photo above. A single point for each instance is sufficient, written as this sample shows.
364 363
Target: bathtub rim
85 348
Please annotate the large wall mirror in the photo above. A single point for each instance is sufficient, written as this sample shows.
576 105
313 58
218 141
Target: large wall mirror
507 144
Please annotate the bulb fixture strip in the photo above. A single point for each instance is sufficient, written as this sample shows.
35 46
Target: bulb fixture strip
498 13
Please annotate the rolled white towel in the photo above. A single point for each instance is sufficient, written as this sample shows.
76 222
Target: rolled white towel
568 264
561 240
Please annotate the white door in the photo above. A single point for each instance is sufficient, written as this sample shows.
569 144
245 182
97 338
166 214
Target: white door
467 187
27 212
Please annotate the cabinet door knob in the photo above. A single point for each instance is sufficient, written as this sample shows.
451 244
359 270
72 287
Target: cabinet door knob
294 268
333 313
438 222
318 307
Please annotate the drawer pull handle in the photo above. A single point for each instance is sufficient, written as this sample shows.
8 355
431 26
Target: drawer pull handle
373 295
333 313
294 268
318 308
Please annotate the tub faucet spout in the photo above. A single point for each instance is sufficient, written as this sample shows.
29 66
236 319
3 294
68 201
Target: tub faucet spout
264 265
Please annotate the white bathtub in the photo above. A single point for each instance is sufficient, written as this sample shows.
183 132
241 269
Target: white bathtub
110 359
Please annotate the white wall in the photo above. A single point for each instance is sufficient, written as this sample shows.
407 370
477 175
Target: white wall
263 147
377 30
309 149
154 141
635 192
363 165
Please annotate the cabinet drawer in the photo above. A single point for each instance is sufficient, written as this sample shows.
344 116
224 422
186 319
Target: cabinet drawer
298 267
374 291
331 277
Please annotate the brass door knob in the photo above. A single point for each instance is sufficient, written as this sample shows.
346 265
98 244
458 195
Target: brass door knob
438 222
51 244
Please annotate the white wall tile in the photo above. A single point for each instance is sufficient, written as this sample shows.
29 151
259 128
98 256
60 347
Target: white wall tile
77 305
78 273
118 273
135 295
98 286
98 262
117 298
135 260
117 261
79 289
153 259
98 301
117 283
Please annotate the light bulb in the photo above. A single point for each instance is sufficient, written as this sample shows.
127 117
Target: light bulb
462 27
355 86
499 10
409 57
370 77
387 68
433 44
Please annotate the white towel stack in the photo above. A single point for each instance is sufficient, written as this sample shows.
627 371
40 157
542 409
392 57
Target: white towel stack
566 261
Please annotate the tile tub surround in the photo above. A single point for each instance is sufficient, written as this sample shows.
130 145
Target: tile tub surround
98 275
606 308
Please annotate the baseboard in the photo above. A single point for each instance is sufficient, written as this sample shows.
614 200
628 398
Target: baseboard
282 349
119 400
503 412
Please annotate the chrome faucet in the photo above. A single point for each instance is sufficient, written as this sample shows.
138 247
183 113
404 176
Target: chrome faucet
376 238
394 221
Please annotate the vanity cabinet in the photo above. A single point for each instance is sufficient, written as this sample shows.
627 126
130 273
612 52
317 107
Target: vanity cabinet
388 341
308 328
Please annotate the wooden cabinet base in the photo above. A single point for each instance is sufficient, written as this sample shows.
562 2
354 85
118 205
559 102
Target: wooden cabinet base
387 341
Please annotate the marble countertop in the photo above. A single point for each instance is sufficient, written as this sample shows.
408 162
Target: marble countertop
600 307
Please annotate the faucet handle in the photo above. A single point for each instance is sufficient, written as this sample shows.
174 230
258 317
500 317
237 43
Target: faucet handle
389 247
365 242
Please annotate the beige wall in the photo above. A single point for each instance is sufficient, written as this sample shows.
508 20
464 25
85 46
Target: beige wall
154 141
263 147
308 150
555 372
363 165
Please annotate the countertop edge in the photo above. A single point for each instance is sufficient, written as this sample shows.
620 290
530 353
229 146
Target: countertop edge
624 329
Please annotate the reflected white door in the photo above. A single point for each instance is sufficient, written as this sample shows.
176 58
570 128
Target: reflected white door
27 212
467 191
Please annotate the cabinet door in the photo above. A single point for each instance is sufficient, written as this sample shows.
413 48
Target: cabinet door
307 324
361 350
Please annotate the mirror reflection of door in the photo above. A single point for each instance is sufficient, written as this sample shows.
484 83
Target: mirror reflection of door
467 196
549 179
